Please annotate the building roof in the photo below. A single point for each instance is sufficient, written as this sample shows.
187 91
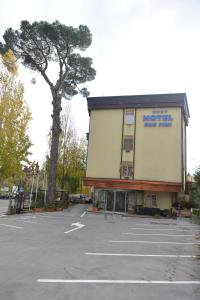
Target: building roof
141 101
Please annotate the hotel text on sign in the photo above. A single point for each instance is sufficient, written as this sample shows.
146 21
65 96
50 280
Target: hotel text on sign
158 120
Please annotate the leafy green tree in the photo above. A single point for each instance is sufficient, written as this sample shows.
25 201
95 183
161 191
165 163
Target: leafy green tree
196 187
76 165
68 138
14 119
197 176
37 45
71 155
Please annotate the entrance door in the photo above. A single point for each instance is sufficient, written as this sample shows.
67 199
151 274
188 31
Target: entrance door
132 201
120 204
110 200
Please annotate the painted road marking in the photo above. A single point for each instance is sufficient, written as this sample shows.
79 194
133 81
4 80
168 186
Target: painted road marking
140 255
151 223
2 216
186 225
48 216
78 226
136 228
159 234
167 224
153 242
28 217
31 222
115 281
83 214
12 226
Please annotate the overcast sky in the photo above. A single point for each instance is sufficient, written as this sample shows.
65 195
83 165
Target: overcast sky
139 47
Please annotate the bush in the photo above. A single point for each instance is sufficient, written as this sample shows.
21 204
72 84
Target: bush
196 212
149 211
188 205
63 204
49 205
166 213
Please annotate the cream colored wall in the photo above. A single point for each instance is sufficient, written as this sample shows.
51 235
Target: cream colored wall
184 154
158 149
127 156
164 200
105 138
129 129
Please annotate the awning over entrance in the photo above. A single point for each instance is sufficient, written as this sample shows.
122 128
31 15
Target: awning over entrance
140 185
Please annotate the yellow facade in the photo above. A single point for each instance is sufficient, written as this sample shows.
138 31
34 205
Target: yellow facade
157 155
158 149
184 153
105 142
137 150
163 199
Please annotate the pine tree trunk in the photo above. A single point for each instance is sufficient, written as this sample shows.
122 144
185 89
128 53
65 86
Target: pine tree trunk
55 133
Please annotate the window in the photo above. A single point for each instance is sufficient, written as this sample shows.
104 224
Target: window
128 143
127 169
128 118
151 200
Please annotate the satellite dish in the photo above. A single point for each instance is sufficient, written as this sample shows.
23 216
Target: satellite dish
33 81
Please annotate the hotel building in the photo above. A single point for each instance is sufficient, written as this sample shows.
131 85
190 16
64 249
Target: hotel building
137 151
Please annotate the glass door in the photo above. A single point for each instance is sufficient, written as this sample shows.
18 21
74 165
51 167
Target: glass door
110 200
120 203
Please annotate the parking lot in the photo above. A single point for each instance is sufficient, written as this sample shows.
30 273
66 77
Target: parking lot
74 254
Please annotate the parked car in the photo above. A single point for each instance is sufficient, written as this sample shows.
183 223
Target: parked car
4 196
4 192
87 199
77 198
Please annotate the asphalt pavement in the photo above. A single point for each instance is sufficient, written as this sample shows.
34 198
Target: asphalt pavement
74 254
3 206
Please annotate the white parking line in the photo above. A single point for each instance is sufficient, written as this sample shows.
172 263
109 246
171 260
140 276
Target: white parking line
83 214
115 281
48 216
28 217
153 242
159 234
139 255
31 222
187 225
2 216
12 226
136 228
167 224
147 224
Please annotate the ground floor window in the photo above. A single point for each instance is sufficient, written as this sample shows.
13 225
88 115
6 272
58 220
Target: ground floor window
133 201
119 201
151 200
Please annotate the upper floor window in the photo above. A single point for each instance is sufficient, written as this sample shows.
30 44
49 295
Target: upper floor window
128 118
128 143
127 169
